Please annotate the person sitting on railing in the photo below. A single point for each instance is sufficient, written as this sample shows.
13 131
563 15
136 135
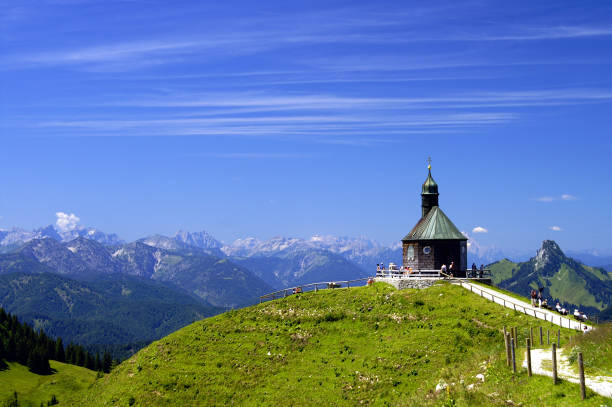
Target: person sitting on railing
377 268
544 304
443 271
481 271
451 269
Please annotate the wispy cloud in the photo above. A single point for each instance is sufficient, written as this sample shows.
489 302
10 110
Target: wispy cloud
564 197
480 229
534 33
536 97
251 155
555 228
320 127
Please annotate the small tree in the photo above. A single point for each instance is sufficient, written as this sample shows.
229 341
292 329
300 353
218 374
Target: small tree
38 362
107 362
60 354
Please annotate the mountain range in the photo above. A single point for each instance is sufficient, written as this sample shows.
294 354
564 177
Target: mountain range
51 268
563 279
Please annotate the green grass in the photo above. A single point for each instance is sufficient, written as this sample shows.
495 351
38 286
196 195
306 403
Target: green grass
368 345
33 389
526 300
572 288
596 348
502 270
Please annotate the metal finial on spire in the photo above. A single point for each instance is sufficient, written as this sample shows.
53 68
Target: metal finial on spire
429 163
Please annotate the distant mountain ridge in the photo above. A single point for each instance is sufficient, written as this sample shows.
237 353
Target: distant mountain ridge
19 236
120 314
175 263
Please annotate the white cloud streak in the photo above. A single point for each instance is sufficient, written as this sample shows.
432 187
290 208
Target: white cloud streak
251 155
555 228
564 197
480 229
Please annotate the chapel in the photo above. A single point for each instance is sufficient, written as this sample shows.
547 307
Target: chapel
434 240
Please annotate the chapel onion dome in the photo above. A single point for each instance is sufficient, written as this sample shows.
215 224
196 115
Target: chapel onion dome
430 186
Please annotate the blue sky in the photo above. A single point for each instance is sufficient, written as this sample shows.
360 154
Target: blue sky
301 118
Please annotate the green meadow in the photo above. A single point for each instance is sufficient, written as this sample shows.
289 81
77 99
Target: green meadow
361 346
32 389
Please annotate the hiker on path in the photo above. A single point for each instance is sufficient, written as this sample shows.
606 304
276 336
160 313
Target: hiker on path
540 297
443 271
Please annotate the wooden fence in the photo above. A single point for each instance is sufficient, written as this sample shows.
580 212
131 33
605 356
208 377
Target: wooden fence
313 287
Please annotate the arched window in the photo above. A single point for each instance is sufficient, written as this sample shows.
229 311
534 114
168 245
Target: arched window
410 253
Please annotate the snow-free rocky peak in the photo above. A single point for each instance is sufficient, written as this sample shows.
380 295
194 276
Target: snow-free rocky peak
549 254
203 239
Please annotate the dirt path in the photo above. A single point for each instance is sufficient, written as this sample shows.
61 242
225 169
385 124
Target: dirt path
541 363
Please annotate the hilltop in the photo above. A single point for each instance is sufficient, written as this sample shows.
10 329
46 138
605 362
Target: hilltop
369 345
564 279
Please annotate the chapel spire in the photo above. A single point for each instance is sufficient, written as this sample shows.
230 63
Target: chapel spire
429 192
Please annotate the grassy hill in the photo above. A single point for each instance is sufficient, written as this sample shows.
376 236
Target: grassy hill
33 389
368 345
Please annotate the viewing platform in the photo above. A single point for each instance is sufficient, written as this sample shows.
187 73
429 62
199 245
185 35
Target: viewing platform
402 278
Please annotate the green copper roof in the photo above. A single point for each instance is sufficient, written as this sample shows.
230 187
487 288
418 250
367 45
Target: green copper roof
430 186
436 225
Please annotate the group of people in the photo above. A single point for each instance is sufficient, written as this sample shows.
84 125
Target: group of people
538 300
476 272
448 272
393 269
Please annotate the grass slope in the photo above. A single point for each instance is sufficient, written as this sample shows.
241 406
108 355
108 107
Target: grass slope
368 345
596 348
33 389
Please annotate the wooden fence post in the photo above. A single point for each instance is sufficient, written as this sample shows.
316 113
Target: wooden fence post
528 357
507 343
554 362
559 338
541 342
513 356
581 370
531 334
316 288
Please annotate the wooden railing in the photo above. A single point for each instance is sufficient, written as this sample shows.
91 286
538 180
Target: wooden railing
486 274
545 315
313 287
